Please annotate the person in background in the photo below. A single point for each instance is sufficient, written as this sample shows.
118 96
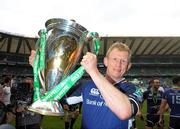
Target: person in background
71 113
26 119
7 90
153 97
172 98
6 114
1 93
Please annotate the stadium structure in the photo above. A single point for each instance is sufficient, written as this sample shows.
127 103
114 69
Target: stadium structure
151 56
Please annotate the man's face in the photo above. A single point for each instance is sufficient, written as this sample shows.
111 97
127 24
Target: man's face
117 64
156 83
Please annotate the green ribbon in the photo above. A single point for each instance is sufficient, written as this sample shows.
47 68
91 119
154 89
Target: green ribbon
39 63
42 50
36 77
63 87
96 44
155 96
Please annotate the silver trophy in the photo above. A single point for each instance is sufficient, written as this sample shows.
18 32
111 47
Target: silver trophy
64 44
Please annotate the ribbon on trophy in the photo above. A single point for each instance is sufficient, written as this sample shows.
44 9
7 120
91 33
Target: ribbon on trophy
47 104
39 63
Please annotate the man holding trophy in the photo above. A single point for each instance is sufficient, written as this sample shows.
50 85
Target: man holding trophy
108 101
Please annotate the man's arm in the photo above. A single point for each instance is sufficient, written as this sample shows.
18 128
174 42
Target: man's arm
162 108
117 101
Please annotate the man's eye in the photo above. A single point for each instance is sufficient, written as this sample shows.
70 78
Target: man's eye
115 59
124 61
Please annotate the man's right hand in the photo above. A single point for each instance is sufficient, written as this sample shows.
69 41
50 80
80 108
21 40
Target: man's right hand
89 62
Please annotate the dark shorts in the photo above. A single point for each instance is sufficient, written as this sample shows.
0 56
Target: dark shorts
152 120
174 123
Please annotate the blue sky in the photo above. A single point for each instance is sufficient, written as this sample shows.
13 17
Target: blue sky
107 17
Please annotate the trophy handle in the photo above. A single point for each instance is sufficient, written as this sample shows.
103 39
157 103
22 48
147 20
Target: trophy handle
94 38
39 63
41 79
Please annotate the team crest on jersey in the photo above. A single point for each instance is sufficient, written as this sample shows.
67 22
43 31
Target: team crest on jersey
94 92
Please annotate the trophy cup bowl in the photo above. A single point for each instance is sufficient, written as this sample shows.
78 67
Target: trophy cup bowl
64 45
65 42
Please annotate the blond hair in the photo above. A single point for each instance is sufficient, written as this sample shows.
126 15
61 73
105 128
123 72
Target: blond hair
121 47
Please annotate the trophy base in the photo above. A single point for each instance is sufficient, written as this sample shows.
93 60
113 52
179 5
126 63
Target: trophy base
50 108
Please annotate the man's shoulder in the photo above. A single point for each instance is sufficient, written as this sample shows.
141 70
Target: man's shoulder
126 84
130 88
171 90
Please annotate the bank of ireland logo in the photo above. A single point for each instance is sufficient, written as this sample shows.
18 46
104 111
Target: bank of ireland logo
94 92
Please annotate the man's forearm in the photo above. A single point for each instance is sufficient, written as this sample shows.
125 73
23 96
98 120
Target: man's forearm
117 101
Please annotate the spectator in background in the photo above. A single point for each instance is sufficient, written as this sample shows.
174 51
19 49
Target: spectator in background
7 90
6 113
1 93
26 119
172 98
71 113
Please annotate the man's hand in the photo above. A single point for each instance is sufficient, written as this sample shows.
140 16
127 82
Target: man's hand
161 122
89 62
139 114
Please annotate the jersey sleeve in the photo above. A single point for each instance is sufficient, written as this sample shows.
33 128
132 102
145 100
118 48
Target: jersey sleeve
135 95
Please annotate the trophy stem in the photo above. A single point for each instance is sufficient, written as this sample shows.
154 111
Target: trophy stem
50 108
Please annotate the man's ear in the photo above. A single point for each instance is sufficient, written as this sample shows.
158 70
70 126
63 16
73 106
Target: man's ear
105 61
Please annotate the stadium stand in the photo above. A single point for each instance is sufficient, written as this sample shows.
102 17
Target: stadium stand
151 56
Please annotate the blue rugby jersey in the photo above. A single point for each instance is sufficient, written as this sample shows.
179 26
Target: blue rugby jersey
173 99
96 114
153 101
